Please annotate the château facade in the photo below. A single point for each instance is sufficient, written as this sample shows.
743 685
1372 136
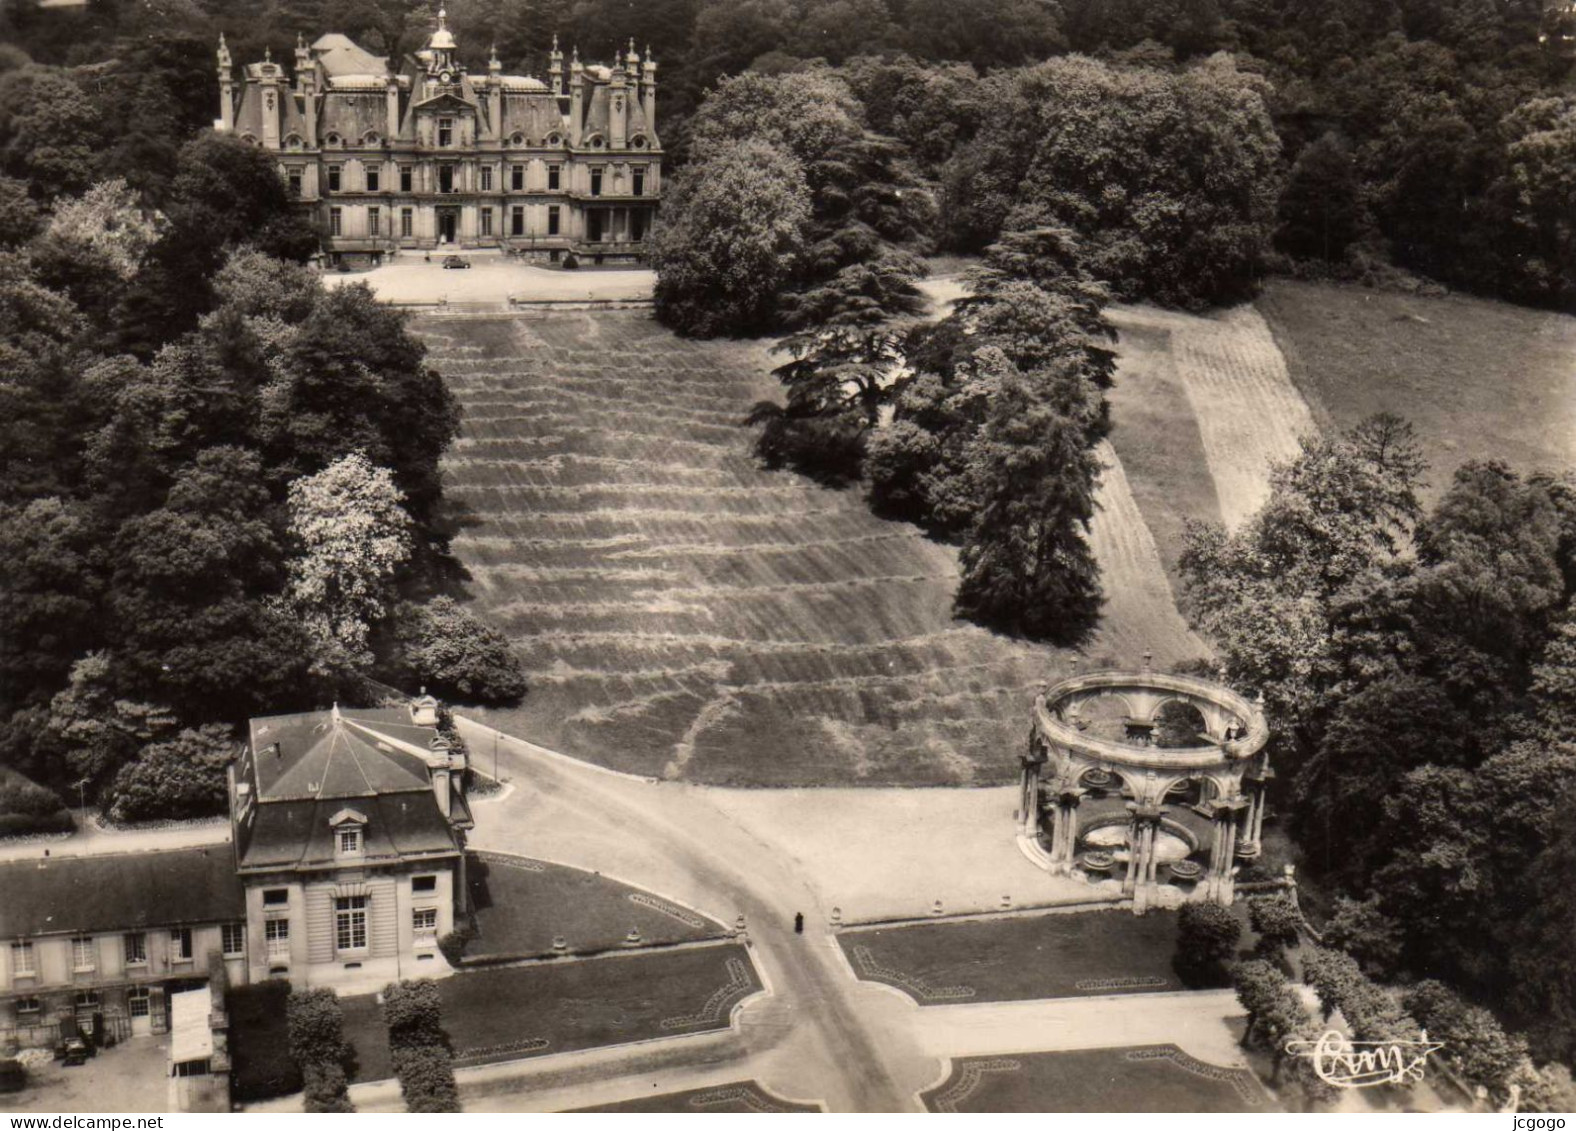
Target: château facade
426 156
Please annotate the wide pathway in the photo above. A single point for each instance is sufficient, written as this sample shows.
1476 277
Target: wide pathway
818 1034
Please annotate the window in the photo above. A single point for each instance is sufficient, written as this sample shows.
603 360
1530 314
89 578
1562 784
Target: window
350 922
233 937
333 178
445 178
516 178
424 883
487 178
294 179
517 220
22 959
445 131
87 1001
407 222
374 177
181 944
596 182
28 1005
487 221
594 226
425 921
349 841
404 178
637 226
554 172
137 1001
136 949
336 221
638 182
552 219
83 954
374 222
276 935
276 897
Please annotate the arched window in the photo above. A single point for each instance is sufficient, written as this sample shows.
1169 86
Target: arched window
637 142
595 141
292 142
333 140
554 139
517 139
372 138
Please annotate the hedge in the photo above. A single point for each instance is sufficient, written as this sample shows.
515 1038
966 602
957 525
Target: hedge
259 1043
418 1046
316 1028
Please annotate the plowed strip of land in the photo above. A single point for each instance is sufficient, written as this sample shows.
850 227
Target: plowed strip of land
683 613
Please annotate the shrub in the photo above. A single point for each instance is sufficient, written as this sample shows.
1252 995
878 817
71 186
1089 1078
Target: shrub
453 944
1332 975
426 1078
570 262
1207 938
315 1024
183 776
26 807
444 646
326 1090
1277 923
259 1044
413 1013
1476 1045
316 1027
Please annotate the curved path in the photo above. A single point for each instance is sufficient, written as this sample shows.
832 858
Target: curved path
818 1034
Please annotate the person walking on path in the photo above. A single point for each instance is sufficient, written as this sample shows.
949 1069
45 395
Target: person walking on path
798 922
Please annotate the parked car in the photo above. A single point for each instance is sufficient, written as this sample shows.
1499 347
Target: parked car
456 261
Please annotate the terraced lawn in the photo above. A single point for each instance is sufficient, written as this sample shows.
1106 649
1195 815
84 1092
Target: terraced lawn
508 1012
1159 1078
1081 954
743 1098
522 905
683 613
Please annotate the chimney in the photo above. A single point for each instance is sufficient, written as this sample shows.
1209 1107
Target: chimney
648 89
438 768
555 68
391 94
576 97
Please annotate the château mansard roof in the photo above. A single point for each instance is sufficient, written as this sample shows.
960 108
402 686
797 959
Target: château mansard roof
347 94
300 772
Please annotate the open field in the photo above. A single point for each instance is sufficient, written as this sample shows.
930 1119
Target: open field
1478 379
1159 1078
683 613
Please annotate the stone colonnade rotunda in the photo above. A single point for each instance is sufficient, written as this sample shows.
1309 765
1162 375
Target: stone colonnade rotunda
1133 771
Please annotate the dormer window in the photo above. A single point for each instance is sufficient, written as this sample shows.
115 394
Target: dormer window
371 139
554 139
333 140
348 826
445 132
517 139
637 142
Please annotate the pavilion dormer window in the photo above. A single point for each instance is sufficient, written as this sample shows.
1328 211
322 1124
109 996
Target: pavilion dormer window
445 132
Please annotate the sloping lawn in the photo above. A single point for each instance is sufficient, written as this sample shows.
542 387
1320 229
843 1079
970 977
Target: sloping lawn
1147 1078
1060 955
521 905
1478 379
508 1012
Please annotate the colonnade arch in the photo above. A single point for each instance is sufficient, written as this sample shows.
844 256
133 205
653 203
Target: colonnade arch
1094 763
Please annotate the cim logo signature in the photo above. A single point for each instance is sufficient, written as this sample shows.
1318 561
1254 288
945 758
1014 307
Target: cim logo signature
1344 1063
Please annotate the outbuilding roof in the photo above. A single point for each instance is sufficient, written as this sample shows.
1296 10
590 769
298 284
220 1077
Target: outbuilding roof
120 892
